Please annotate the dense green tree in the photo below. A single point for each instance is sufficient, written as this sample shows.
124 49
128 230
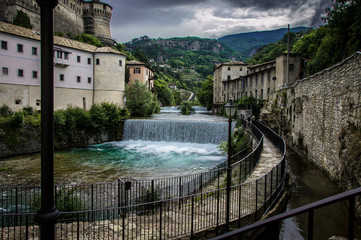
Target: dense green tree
87 38
22 19
165 94
140 100
250 102
205 94
336 40
141 56
177 98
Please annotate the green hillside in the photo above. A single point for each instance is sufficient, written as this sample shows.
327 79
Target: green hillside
247 44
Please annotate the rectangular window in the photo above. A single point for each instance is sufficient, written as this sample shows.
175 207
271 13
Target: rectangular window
66 56
89 80
62 78
262 78
97 61
256 80
4 45
78 59
78 79
291 67
261 97
59 54
136 70
229 68
268 90
5 71
269 76
34 51
35 74
120 63
17 101
20 48
255 94
89 61
240 69
20 73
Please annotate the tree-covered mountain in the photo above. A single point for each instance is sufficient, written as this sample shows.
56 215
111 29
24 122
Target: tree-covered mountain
247 44
187 53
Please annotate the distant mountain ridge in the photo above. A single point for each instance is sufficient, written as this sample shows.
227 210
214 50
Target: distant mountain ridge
248 43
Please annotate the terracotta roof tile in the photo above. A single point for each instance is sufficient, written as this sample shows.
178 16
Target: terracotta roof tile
60 41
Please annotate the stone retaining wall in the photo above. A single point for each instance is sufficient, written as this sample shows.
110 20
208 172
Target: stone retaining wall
319 115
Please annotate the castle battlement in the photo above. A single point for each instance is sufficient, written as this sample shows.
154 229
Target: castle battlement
28 5
71 17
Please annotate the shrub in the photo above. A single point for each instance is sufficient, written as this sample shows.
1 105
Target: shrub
5 111
186 108
17 120
28 110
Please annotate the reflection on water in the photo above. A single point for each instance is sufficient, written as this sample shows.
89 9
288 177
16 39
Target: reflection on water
309 184
109 161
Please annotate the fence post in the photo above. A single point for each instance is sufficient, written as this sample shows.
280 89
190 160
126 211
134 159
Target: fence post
192 217
310 225
119 196
160 220
265 193
351 218
255 213
152 185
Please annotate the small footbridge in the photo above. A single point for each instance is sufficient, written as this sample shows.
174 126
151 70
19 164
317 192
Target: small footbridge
167 208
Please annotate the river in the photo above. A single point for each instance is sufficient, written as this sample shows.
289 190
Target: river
310 184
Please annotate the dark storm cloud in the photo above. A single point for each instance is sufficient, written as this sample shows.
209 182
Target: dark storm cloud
139 4
267 4
316 20
209 18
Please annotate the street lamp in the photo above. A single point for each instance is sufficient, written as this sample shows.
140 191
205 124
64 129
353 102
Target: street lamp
230 110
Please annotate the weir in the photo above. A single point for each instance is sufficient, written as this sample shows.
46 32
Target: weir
176 131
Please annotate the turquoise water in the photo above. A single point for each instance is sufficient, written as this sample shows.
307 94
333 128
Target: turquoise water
151 157
108 161
147 158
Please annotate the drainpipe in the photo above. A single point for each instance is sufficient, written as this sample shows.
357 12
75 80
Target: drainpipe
47 214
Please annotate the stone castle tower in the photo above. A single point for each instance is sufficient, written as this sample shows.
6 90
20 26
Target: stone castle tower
71 17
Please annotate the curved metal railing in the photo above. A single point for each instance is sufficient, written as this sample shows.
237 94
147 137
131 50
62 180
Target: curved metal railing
164 216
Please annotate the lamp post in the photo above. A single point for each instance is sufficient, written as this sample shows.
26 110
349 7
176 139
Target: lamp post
230 110
47 214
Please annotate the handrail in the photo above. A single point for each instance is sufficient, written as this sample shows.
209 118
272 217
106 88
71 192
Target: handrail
249 198
349 195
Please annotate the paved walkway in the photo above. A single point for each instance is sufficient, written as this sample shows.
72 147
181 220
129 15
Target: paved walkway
270 157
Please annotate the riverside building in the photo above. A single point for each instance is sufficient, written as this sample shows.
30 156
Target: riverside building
237 79
83 74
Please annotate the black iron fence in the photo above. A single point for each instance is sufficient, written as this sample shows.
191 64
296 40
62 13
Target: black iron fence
310 210
148 209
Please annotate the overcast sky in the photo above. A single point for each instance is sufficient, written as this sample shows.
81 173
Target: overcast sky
209 18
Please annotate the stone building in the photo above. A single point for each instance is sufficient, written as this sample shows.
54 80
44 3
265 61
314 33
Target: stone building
71 17
83 74
139 72
237 79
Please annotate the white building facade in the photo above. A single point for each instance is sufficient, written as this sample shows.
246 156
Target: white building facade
83 74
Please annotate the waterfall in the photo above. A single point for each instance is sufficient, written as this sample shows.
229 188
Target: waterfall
176 131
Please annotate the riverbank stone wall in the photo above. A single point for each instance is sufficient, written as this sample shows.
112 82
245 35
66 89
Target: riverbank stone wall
320 117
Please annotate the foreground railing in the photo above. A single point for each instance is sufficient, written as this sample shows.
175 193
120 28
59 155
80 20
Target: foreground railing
184 215
127 191
310 210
